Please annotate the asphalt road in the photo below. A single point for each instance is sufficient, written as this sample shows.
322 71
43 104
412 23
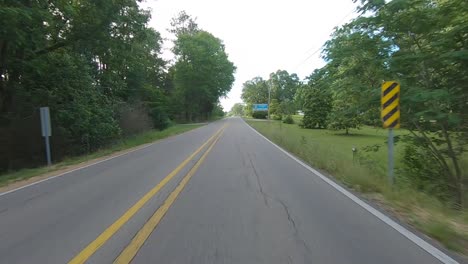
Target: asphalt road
240 200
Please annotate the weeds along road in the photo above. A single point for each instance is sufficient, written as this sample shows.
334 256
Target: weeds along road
218 194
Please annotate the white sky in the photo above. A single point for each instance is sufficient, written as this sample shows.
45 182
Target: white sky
261 36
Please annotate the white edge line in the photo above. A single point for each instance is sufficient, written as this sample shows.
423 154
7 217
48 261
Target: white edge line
92 164
444 258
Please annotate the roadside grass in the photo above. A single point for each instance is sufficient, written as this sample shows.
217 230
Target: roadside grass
126 143
366 172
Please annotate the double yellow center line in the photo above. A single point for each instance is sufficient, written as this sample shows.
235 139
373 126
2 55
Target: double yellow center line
132 249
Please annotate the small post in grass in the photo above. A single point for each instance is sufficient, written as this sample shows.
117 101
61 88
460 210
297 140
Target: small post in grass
354 153
391 119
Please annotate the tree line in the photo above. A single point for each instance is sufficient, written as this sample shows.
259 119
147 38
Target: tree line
423 45
98 66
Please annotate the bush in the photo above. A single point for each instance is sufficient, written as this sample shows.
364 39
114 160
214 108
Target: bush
288 120
260 115
424 173
276 117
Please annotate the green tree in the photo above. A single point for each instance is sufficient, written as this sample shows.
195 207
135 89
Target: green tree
316 108
422 44
275 109
358 59
182 24
255 91
316 99
344 115
202 72
83 59
237 109
283 85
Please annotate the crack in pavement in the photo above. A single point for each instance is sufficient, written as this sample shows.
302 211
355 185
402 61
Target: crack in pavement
260 187
267 197
293 223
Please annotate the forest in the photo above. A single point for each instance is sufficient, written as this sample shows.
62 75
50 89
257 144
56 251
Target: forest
98 66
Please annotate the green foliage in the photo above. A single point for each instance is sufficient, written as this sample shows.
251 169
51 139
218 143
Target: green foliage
237 110
217 112
288 120
316 101
421 170
255 91
182 24
248 110
275 108
156 102
260 114
276 117
287 107
344 116
443 232
282 87
201 75
90 61
421 44
79 111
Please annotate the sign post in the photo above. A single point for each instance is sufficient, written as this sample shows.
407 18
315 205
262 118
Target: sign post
391 119
46 130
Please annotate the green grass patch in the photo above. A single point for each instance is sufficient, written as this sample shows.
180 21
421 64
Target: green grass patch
366 172
126 143
444 233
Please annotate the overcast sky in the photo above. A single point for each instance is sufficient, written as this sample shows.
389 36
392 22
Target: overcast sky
261 36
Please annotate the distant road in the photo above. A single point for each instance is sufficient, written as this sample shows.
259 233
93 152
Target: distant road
218 194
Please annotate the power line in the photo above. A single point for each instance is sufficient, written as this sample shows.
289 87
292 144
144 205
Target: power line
320 48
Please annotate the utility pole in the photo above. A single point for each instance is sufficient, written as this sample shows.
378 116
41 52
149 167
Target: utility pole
269 98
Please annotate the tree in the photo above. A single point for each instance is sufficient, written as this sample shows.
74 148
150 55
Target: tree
83 59
182 24
421 44
433 64
237 109
202 73
344 115
275 110
283 89
316 108
283 85
255 91
358 59
316 99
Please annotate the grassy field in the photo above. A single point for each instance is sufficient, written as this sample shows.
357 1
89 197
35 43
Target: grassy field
331 152
127 143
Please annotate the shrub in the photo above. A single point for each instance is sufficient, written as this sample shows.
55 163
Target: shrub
260 115
288 120
276 117
423 172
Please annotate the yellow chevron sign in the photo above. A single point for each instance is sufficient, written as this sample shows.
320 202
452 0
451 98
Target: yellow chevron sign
391 104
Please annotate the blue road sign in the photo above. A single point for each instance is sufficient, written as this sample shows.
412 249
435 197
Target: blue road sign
260 107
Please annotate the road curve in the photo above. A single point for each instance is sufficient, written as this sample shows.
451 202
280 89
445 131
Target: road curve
240 200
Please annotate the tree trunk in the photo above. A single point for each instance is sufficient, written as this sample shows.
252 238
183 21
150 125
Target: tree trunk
458 173
3 77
